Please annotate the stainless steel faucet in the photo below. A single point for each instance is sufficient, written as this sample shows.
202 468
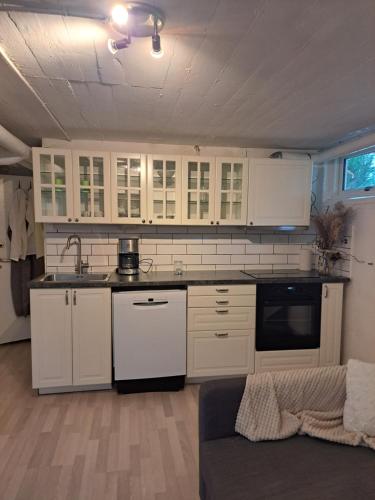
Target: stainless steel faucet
75 239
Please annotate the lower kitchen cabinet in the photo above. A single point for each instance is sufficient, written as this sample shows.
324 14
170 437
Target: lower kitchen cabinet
71 338
221 330
220 353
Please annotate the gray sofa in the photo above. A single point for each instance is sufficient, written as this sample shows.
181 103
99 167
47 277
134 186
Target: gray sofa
298 468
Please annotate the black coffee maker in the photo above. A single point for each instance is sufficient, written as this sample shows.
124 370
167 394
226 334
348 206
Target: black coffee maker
128 256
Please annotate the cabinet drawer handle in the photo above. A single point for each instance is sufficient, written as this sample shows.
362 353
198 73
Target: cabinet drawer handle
66 298
221 335
222 302
222 311
222 290
74 298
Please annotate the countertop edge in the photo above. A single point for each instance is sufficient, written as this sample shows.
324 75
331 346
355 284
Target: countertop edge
121 282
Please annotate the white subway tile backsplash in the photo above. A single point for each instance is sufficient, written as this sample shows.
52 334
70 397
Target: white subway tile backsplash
153 239
230 249
200 248
104 249
296 249
273 259
215 259
245 259
171 249
158 259
188 239
98 260
259 249
274 238
188 259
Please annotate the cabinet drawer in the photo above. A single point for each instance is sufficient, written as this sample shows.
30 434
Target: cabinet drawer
222 290
229 352
227 301
221 318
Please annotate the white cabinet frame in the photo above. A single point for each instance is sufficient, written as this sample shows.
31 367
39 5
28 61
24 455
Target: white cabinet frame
116 189
231 192
38 186
106 187
210 191
164 190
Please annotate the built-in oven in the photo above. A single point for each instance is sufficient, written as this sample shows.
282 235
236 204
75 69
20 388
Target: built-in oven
288 316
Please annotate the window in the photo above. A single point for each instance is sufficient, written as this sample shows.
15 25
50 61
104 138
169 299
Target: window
359 172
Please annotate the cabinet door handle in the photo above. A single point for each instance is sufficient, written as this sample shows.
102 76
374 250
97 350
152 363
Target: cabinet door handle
222 311
222 302
222 290
76 220
217 222
74 298
70 219
212 222
325 291
67 298
221 335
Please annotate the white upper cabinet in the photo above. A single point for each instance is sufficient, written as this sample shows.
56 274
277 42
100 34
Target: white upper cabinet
128 193
279 192
198 190
231 191
53 185
91 186
163 189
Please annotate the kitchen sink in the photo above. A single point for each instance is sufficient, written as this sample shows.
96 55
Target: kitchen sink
74 278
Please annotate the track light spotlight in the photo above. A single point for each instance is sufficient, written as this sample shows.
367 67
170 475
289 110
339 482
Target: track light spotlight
156 50
116 45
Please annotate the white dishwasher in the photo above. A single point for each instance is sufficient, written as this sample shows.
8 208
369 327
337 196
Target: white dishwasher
149 340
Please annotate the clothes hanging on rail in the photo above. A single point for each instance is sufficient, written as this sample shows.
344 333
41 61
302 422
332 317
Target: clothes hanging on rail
22 272
17 226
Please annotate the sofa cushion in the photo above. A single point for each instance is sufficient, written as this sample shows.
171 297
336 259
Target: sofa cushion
293 469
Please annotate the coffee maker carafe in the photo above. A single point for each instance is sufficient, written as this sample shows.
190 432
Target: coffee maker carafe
128 256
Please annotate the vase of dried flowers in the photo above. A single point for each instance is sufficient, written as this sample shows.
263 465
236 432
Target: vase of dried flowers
330 226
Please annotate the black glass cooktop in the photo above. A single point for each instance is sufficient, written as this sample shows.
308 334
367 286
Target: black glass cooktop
281 273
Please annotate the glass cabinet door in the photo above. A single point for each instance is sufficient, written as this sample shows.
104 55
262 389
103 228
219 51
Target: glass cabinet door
91 176
128 188
198 190
231 190
53 185
164 187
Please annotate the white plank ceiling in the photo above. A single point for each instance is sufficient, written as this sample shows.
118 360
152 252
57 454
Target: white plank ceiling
248 73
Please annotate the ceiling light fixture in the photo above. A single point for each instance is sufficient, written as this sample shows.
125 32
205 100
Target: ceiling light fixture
119 15
136 19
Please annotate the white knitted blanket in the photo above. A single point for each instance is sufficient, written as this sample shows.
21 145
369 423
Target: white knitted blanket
277 405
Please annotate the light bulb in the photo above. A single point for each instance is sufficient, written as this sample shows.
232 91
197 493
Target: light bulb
157 55
156 50
119 15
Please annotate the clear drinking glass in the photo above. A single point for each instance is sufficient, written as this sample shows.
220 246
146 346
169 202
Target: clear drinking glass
178 267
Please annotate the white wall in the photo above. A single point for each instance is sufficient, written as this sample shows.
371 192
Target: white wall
359 297
359 305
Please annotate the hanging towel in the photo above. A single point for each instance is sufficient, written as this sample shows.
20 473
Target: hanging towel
35 236
22 272
17 226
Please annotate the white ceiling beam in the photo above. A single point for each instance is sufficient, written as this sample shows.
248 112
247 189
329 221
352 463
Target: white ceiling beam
10 63
356 145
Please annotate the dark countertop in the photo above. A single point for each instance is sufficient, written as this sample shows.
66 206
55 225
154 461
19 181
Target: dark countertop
164 278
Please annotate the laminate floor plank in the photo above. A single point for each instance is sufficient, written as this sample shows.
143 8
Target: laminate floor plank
93 445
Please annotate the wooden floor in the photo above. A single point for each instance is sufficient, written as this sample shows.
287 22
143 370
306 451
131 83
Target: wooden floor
93 445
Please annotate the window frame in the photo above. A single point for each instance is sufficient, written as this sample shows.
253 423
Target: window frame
360 193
